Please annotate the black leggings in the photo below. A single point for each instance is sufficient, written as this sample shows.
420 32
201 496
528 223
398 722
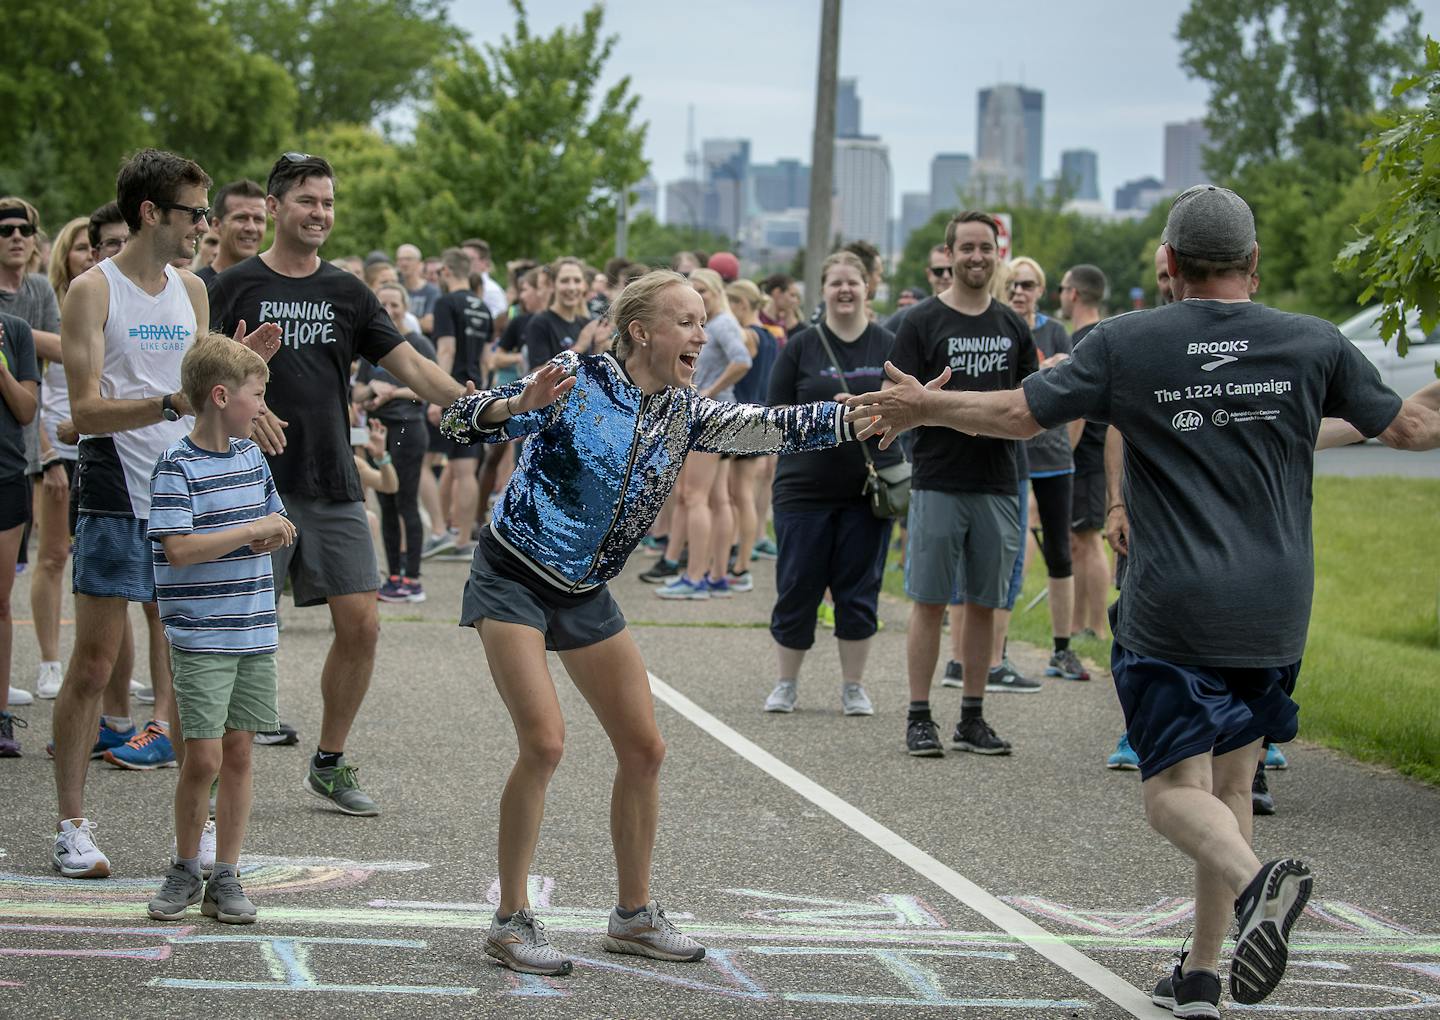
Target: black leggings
1052 501
407 442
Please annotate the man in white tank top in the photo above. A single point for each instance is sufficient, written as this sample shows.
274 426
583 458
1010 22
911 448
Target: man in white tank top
127 323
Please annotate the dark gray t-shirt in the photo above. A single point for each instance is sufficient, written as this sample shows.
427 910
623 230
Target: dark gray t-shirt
17 346
1219 404
35 303
1049 452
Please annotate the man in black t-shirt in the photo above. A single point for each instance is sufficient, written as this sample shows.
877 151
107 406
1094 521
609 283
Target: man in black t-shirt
464 328
327 318
964 524
237 217
1080 300
1220 401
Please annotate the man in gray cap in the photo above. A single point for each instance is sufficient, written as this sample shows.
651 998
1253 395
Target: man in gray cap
1219 400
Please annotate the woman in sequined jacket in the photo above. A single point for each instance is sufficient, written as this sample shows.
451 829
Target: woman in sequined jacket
607 435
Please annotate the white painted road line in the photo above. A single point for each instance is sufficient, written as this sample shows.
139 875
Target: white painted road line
1009 920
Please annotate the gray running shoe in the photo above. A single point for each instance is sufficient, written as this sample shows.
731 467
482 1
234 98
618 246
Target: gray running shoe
181 891
521 944
226 901
855 701
782 698
650 933
954 675
437 544
339 786
1005 677
1068 665
145 695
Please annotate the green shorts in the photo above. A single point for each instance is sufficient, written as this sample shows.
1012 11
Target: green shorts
215 693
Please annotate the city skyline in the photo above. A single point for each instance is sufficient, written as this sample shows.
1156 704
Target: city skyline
917 86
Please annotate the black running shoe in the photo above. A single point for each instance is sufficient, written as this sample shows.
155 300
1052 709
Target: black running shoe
954 675
1193 996
282 737
976 735
1265 913
1261 800
922 739
660 571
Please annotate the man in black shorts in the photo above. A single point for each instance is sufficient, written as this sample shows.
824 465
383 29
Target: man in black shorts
1218 399
464 328
327 318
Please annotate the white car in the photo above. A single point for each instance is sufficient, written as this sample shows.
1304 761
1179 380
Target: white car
1403 375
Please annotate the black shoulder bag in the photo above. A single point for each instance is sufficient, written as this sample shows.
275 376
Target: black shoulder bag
887 487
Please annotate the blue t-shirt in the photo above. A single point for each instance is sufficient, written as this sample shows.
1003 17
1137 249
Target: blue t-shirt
225 606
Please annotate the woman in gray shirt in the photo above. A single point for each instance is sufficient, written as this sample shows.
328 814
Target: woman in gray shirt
703 514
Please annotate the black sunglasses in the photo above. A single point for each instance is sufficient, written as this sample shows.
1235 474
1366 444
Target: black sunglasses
942 270
197 212
8 229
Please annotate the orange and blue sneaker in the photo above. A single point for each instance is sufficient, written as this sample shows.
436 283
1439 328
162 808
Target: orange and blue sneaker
148 749
107 740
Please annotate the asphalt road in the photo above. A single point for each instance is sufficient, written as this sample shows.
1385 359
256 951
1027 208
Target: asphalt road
1364 459
830 874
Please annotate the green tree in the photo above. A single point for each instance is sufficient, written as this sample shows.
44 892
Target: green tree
1287 76
520 146
655 243
1399 256
352 60
101 79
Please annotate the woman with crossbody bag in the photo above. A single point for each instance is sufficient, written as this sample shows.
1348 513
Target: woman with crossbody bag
827 534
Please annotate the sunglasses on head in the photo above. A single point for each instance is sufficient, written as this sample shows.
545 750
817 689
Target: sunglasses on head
942 270
8 229
297 157
197 212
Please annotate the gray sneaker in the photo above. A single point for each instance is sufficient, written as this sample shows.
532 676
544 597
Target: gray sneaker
226 901
782 698
437 544
954 675
855 701
1005 677
1068 665
650 933
339 786
521 944
181 891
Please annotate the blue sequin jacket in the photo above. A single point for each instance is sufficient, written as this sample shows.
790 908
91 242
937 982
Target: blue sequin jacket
601 461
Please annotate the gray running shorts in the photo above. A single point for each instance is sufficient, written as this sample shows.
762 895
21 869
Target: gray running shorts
962 547
332 554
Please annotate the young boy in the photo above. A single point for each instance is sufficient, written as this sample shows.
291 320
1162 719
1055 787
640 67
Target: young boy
215 517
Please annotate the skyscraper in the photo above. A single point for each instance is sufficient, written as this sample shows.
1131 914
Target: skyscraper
685 204
1139 195
949 176
646 198
1185 154
727 184
914 214
847 109
1010 136
863 189
782 185
1080 174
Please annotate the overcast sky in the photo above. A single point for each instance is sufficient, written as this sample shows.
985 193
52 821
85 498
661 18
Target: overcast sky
1110 71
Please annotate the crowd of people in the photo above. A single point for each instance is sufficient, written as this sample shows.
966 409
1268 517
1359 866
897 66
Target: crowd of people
207 423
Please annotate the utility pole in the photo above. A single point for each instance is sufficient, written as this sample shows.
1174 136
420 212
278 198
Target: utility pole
622 224
822 152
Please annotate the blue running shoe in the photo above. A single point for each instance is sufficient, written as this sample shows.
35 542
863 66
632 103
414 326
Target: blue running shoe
149 749
681 587
719 587
108 740
1275 758
1124 757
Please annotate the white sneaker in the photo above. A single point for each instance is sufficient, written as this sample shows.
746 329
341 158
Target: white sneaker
650 933
136 686
855 701
207 848
21 697
782 698
48 680
75 854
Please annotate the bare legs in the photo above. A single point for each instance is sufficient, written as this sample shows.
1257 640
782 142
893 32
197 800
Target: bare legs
99 624
1092 581
345 678
612 678
1202 806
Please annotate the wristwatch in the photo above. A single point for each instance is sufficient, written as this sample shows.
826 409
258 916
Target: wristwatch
167 409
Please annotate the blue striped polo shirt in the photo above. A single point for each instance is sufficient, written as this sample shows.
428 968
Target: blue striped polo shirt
225 606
